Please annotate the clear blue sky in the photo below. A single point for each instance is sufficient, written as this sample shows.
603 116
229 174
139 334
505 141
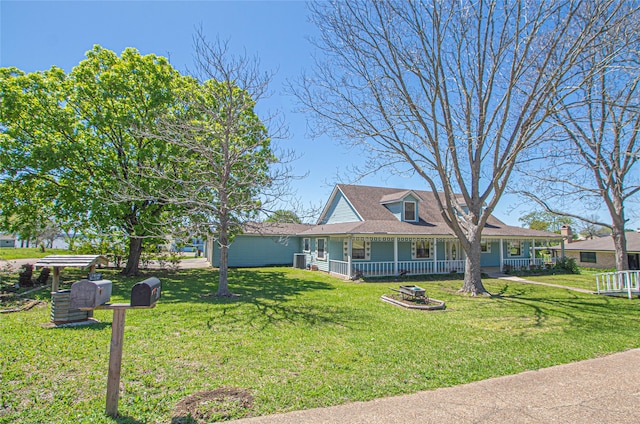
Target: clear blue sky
35 35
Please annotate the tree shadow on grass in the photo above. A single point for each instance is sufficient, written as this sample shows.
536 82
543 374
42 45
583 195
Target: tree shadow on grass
577 310
263 297
246 284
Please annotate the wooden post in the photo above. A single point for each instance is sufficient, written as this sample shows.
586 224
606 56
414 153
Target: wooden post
115 361
115 351
55 280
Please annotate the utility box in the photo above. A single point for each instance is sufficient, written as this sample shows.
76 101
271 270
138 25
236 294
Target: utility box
146 293
90 294
300 260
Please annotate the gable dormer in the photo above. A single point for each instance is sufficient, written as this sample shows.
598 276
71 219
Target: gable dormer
403 205
338 209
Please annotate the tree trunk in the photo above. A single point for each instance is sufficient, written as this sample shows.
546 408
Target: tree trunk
223 240
620 244
133 261
473 275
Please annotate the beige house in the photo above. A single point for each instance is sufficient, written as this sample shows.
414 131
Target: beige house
600 252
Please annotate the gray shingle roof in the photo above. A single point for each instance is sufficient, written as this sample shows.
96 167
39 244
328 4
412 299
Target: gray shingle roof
605 244
274 228
379 220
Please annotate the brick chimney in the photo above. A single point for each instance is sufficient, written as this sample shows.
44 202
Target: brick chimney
565 231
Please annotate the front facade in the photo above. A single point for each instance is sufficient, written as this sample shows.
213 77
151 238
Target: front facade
377 231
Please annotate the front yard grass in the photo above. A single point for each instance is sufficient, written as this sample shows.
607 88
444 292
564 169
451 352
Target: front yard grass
585 280
293 340
9 254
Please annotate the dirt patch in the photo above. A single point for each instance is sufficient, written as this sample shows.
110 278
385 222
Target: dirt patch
213 405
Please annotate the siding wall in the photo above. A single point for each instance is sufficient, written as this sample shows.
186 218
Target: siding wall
491 258
7 243
396 210
255 251
340 211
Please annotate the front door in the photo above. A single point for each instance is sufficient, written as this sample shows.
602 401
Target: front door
452 250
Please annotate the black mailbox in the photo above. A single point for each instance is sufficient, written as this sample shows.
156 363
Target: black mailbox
146 293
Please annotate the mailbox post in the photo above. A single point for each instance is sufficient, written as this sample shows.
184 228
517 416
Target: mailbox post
149 290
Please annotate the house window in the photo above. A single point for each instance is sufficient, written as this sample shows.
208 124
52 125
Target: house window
423 249
322 248
409 211
358 250
306 244
485 247
588 257
514 248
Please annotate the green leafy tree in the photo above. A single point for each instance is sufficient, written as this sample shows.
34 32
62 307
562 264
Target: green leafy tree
284 216
545 221
69 140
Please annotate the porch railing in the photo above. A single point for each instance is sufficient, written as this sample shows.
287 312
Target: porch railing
522 263
618 282
339 267
386 268
446 267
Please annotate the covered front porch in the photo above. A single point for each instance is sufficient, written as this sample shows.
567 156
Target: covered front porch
358 256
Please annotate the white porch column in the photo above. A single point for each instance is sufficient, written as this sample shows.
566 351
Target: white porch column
349 246
395 255
501 255
533 253
435 255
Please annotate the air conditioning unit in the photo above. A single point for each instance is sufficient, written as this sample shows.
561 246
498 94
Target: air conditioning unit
300 260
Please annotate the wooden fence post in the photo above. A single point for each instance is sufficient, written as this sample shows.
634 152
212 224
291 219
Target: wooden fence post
115 361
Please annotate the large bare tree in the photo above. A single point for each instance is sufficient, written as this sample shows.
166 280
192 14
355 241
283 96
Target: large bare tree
595 164
224 170
454 91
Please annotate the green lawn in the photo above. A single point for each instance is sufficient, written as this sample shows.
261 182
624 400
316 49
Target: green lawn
584 280
294 340
9 254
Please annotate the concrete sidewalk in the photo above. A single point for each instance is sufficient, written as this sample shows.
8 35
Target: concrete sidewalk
602 390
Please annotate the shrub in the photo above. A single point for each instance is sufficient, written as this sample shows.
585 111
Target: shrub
24 277
43 277
568 265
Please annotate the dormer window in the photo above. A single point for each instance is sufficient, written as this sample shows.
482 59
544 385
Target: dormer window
410 211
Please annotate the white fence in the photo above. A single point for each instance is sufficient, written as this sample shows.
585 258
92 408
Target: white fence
618 282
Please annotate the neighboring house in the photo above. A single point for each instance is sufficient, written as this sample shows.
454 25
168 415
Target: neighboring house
600 252
7 240
377 231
